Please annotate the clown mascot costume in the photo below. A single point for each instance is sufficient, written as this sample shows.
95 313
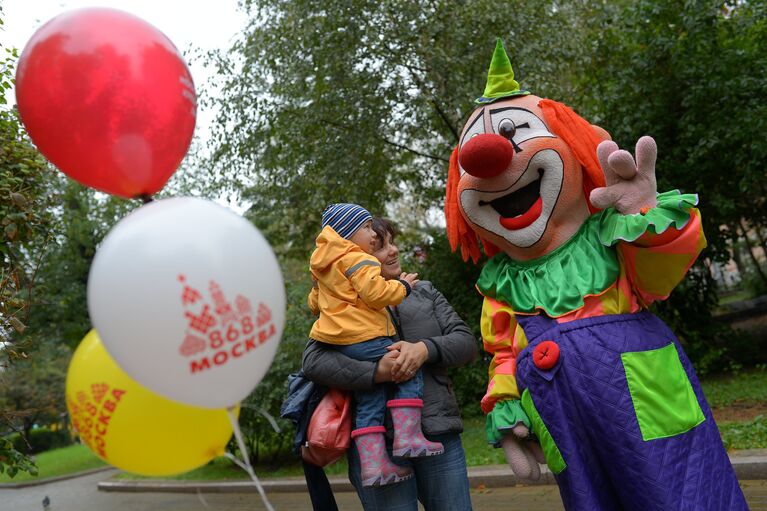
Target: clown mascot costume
582 376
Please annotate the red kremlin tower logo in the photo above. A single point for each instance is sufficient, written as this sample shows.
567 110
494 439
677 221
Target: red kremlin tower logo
218 331
91 415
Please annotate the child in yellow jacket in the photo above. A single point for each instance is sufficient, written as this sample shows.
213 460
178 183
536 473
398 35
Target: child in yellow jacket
351 297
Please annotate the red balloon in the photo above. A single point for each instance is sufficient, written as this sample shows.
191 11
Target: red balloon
108 99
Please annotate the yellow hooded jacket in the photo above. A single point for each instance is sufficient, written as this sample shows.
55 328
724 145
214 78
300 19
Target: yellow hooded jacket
350 295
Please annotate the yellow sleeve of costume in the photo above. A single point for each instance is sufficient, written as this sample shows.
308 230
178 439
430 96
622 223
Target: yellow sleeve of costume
656 263
504 338
377 292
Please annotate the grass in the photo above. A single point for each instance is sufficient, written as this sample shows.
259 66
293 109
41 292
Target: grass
740 390
222 468
57 462
735 296
745 435
474 443
743 387
738 393
478 451
219 468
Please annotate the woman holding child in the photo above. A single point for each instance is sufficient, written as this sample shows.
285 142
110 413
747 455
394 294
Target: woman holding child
432 338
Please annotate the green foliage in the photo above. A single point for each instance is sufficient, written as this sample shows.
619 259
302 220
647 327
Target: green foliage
478 451
455 279
745 435
710 344
12 461
689 74
25 222
264 444
362 101
217 469
84 218
754 285
41 440
698 95
34 390
59 462
48 267
742 388
223 469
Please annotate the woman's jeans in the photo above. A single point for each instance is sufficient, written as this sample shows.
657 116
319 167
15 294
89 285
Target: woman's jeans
440 482
371 404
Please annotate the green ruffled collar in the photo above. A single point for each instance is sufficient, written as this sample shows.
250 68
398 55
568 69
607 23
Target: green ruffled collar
557 283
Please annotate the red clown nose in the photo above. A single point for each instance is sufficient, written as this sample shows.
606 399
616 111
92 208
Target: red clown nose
486 155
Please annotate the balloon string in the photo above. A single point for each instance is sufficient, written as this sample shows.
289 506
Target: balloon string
247 467
202 499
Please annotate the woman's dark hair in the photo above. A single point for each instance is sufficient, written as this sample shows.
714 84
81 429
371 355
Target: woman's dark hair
381 227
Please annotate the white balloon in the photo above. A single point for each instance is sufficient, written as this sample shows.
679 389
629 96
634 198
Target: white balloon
188 298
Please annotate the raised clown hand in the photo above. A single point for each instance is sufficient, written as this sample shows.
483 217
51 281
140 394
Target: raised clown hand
523 455
631 186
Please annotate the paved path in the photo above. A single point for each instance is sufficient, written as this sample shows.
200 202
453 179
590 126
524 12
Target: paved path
81 494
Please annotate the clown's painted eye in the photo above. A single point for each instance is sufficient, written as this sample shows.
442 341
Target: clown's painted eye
507 129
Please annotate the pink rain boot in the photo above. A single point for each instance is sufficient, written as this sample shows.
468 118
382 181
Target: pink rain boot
377 468
409 441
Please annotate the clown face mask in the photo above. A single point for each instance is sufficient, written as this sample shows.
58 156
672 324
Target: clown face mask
522 171
521 186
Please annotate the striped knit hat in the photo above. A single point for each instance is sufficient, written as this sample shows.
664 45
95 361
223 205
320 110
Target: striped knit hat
345 219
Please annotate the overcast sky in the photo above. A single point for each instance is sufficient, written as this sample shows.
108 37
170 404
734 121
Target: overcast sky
205 24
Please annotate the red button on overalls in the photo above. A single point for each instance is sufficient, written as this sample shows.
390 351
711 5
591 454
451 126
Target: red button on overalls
545 355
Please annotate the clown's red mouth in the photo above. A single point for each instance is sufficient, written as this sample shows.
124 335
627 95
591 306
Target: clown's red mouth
520 208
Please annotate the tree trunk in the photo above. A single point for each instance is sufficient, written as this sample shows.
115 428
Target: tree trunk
27 425
736 255
751 252
760 235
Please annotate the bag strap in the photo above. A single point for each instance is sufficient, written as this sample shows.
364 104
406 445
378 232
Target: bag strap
319 488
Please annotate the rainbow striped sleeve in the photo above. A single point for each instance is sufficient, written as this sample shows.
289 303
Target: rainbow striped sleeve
657 263
504 339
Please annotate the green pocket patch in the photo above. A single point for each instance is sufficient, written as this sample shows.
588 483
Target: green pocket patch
664 402
550 450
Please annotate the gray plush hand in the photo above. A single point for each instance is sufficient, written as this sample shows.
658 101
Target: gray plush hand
631 186
523 456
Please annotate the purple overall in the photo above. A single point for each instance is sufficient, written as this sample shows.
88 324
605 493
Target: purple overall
585 403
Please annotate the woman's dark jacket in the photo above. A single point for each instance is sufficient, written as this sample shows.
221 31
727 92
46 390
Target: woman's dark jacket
425 315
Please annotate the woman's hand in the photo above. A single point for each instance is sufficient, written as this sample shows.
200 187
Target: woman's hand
385 367
412 355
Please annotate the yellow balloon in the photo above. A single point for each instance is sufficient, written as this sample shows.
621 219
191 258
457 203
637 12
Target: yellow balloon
132 428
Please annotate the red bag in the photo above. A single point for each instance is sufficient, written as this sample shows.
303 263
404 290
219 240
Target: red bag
330 428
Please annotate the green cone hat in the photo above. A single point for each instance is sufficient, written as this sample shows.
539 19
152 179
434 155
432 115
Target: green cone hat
500 78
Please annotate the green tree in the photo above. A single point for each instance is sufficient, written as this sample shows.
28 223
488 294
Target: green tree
34 389
25 223
83 218
691 75
362 100
455 279
263 442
